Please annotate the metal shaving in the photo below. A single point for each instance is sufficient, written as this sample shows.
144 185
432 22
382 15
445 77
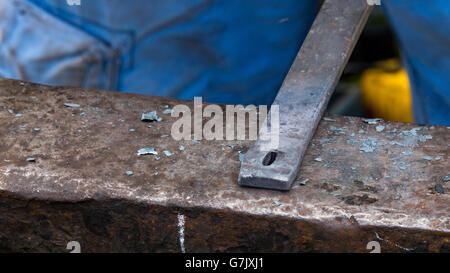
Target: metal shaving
303 183
151 116
167 153
68 104
147 151
372 121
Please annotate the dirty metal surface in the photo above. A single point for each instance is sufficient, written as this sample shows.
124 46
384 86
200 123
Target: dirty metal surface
305 93
360 181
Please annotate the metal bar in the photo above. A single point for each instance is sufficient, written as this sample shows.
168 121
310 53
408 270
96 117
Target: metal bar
305 92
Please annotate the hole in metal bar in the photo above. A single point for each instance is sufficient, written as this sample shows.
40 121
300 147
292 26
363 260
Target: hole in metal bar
269 158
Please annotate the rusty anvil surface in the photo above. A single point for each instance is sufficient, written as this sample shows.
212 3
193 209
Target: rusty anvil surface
364 185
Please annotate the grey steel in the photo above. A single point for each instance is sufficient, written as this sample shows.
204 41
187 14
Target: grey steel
306 91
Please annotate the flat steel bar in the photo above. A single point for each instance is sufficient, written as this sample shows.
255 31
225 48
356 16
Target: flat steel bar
305 93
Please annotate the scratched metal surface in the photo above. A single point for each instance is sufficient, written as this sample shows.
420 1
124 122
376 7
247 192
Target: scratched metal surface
365 181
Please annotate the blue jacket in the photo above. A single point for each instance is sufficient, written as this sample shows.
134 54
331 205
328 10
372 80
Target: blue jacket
423 32
227 51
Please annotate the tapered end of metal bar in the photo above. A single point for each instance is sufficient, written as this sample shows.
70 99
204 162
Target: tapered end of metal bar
255 181
271 168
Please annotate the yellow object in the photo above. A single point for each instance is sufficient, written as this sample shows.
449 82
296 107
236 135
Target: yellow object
386 92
